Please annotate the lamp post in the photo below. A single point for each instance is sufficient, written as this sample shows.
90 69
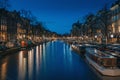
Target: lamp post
24 36
96 38
111 37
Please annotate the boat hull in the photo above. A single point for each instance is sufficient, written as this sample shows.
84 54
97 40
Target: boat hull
78 49
102 70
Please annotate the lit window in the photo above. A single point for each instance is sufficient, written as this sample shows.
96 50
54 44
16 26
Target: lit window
113 29
119 28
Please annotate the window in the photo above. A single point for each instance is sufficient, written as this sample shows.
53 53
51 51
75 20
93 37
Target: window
113 28
118 28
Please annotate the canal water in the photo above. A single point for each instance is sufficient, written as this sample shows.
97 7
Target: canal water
49 61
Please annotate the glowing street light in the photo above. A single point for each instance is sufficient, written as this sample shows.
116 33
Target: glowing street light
111 35
95 36
23 36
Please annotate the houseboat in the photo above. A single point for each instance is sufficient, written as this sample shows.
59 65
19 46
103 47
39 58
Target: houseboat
115 54
104 63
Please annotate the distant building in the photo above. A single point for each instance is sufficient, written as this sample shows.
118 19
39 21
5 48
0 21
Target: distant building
76 29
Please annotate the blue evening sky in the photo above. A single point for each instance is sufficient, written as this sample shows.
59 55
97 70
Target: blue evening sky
59 15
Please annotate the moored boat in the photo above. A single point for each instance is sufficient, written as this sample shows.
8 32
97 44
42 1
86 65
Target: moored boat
79 48
104 63
9 51
115 54
26 44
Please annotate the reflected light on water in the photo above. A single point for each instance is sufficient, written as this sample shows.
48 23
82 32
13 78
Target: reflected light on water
51 61
70 55
64 50
44 57
44 51
25 62
20 68
37 57
40 53
52 49
37 61
30 64
3 71
24 67
67 55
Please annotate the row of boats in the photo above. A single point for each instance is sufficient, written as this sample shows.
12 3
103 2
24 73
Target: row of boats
105 60
23 45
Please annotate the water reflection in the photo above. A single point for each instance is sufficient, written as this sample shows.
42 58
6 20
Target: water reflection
51 61
30 64
20 76
38 52
26 63
37 59
44 58
67 56
3 71
22 65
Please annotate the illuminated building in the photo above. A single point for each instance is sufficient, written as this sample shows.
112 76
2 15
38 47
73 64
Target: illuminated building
3 29
115 28
8 26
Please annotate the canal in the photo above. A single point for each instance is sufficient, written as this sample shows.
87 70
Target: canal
49 61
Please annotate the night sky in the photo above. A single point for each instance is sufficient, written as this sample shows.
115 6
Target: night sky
59 15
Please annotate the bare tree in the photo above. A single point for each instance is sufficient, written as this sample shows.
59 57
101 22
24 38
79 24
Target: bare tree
102 17
90 25
76 29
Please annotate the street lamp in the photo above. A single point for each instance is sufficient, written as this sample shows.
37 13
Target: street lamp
111 37
24 36
95 36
